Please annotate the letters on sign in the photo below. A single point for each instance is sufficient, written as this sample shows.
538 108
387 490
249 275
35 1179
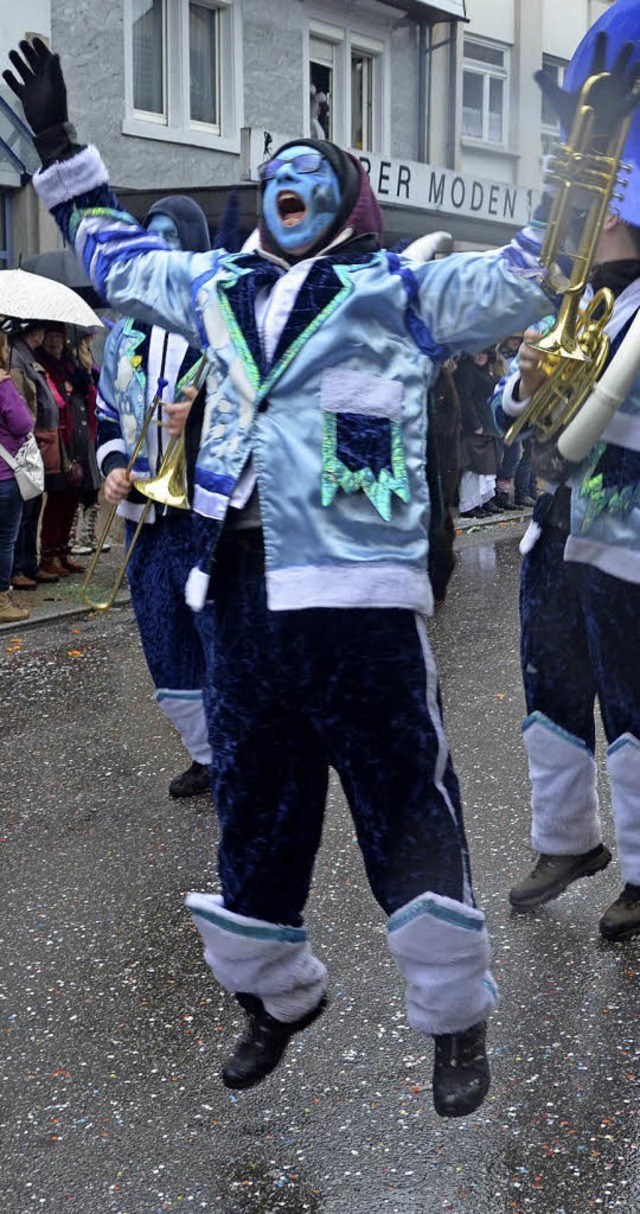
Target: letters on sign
409 183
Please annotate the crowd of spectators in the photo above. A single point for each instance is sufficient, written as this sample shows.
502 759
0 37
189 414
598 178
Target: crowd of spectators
480 474
47 370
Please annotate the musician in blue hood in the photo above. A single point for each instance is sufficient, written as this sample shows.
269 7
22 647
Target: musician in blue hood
311 514
143 362
580 584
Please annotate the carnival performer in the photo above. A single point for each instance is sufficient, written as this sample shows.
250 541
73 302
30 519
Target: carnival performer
177 642
322 347
580 581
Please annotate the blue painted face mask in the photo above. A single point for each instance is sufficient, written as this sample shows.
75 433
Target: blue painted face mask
163 226
301 198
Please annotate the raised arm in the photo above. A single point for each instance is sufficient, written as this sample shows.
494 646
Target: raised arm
129 266
512 287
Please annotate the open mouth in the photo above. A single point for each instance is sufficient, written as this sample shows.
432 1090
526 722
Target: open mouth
291 208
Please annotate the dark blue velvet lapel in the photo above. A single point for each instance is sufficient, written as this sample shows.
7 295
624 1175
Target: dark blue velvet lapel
254 273
318 291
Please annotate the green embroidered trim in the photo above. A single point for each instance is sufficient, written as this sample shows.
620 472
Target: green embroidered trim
190 377
140 372
617 501
78 214
135 339
379 490
296 346
237 336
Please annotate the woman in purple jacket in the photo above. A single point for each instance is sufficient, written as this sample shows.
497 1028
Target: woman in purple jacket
16 423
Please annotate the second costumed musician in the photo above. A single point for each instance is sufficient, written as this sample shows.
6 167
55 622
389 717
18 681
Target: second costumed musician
580 584
177 642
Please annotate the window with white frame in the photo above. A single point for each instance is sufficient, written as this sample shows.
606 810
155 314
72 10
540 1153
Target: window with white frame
321 76
175 52
148 37
362 71
485 76
347 74
555 68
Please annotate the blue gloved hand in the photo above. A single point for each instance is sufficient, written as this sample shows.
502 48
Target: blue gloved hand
612 98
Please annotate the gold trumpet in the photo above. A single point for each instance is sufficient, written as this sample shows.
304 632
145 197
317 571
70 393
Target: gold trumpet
166 488
576 349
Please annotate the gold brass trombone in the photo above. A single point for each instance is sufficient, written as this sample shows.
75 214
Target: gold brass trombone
575 350
167 488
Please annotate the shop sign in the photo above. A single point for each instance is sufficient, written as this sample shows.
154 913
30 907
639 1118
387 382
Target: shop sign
426 187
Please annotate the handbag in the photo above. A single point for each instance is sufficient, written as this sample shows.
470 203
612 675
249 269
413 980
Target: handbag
28 468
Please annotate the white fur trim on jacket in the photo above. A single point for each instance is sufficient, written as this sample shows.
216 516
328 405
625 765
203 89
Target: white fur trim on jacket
67 179
196 589
511 406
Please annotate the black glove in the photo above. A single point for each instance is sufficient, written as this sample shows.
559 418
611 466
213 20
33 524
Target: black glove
612 98
43 94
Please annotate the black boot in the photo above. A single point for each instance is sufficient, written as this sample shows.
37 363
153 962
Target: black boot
461 1075
192 782
551 875
258 1053
622 919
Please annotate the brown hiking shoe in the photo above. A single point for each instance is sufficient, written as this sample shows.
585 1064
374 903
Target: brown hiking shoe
551 875
70 565
622 918
45 579
9 613
51 564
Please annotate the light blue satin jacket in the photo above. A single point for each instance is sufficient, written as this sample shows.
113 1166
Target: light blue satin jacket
605 487
335 422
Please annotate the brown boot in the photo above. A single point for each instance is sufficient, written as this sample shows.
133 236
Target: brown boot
70 565
46 579
10 614
52 564
22 582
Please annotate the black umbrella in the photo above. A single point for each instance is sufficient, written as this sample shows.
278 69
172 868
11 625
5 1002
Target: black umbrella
63 266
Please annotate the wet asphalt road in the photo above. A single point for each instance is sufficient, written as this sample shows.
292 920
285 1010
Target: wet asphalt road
113 1031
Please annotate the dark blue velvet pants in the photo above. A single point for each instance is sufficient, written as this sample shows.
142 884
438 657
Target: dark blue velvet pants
580 640
177 642
298 691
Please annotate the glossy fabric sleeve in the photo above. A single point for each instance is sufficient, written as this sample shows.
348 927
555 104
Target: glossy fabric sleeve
130 267
468 301
507 401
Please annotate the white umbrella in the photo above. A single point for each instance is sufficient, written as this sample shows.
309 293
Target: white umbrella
25 296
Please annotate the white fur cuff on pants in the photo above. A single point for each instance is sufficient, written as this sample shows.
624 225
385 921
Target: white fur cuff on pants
623 765
185 709
254 957
442 948
564 798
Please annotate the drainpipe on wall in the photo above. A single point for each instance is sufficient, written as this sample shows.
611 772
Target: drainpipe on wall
453 91
422 93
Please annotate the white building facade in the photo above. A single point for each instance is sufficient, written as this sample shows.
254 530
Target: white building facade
436 96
